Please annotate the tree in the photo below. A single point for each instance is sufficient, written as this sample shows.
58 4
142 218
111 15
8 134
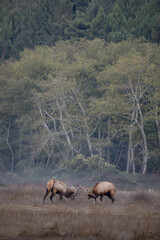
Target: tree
85 99
129 80
97 25
116 25
5 29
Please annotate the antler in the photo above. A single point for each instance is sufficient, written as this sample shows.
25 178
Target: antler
77 191
86 189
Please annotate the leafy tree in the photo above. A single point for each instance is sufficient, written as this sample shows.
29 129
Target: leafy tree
130 78
5 30
81 98
97 25
116 26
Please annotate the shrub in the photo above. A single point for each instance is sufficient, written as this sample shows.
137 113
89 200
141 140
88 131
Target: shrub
29 169
79 163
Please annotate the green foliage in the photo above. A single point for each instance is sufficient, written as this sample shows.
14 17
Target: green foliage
28 169
5 30
89 164
116 26
128 178
71 105
78 163
27 24
77 96
97 27
95 163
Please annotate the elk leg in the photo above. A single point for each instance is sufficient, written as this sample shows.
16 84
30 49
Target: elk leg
60 197
72 197
47 191
110 196
101 197
52 195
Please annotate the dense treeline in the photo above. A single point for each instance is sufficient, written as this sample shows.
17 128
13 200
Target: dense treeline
26 24
81 105
79 85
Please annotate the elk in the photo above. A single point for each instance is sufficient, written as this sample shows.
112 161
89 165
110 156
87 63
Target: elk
60 188
72 192
101 189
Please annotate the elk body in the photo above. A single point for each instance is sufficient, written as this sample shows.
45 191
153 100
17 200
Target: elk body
101 189
60 188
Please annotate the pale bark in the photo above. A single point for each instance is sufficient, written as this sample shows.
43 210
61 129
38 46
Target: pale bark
12 155
119 153
6 139
99 138
42 116
49 152
108 140
145 146
130 148
137 94
157 123
63 126
3 55
86 124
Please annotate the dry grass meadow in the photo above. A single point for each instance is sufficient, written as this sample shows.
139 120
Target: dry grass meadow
133 216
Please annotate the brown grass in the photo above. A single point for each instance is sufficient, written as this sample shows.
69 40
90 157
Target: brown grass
133 216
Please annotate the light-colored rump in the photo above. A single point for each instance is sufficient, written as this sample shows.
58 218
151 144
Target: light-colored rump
104 187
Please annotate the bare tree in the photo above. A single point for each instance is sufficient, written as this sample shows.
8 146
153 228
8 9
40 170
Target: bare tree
130 144
137 94
157 119
86 129
5 137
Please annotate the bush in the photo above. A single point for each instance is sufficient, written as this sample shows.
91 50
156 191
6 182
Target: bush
29 169
79 163
95 163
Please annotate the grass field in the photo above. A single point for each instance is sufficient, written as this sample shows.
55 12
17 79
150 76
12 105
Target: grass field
133 216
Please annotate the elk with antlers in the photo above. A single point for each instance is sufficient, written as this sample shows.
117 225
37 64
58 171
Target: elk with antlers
101 189
60 188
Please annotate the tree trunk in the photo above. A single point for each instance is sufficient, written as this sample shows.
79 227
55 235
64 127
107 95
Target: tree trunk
99 138
6 139
12 155
141 124
3 55
157 123
86 125
133 162
63 126
145 152
108 138
130 148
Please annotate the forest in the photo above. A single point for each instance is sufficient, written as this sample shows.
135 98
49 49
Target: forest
79 86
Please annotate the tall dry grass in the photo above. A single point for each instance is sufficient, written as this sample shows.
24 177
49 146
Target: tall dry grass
133 216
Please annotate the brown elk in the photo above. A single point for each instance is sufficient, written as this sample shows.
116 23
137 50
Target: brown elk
60 188
101 189
72 192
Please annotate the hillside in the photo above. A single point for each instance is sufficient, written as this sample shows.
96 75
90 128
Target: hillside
26 24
